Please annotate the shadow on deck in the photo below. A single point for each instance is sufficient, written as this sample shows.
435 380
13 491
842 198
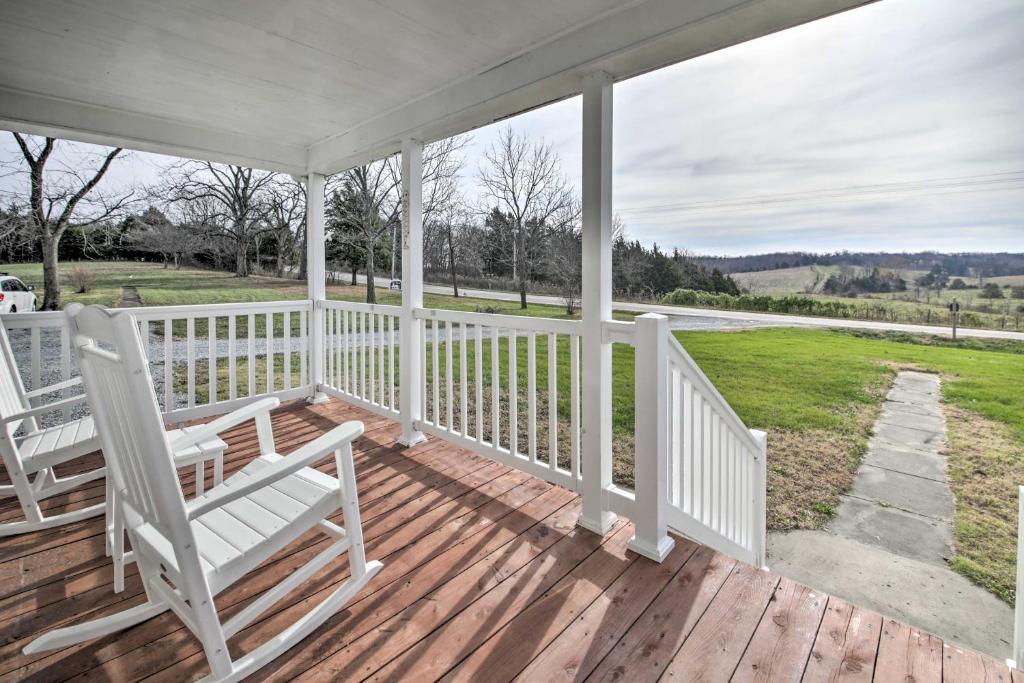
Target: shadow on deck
485 577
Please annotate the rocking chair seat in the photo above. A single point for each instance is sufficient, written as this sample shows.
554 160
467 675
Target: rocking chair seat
51 446
240 535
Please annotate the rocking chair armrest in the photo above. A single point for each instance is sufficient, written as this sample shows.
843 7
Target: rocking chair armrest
43 409
66 384
223 423
289 464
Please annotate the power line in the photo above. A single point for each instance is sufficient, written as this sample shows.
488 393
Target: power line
899 190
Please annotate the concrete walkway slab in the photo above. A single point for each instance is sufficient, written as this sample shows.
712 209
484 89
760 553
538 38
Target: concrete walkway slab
896 531
928 497
917 463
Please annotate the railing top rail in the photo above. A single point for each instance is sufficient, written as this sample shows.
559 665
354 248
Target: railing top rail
710 393
336 304
497 320
14 321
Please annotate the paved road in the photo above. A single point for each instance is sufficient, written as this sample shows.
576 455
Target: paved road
683 318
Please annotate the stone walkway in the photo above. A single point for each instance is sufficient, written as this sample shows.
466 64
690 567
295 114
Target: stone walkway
889 545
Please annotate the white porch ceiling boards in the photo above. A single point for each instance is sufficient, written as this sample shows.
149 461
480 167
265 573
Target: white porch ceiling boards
297 85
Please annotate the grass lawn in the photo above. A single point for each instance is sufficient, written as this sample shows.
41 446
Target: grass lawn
816 393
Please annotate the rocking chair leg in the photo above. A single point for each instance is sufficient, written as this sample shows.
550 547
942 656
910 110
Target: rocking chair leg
72 635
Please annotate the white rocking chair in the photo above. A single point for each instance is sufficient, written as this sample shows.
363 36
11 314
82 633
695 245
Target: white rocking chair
30 459
182 549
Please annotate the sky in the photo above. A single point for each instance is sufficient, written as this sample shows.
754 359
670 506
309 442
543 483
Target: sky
898 126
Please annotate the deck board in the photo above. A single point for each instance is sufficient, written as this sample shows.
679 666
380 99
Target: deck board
486 577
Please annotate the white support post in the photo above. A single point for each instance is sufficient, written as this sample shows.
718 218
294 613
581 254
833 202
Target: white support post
650 464
411 343
316 281
597 302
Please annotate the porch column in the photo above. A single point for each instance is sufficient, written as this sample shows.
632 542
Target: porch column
410 342
597 301
316 280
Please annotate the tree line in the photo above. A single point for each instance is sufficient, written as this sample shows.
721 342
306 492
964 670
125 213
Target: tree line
521 230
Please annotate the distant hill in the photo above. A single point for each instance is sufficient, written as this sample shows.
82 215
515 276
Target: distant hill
965 264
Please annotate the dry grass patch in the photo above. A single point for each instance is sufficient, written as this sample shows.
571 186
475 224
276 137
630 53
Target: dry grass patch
985 464
808 471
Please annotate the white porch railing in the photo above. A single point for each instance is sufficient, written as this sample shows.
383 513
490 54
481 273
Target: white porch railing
204 360
698 469
361 354
536 427
504 386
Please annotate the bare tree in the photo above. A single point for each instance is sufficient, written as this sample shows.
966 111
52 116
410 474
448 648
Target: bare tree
524 179
61 194
233 199
365 202
286 213
450 222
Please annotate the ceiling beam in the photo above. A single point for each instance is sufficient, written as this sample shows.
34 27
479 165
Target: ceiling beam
36 114
647 35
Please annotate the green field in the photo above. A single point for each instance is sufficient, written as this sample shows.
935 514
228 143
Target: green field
816 393
915 306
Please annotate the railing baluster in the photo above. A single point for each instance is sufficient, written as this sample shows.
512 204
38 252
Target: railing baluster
463 381
346 347
190 361
478 359
553 400
391 361
330 339
495 390
36 366
423 371
435 369
211 359
513 394
372 366
65 367
270 352
251 352
303 348
287 350
448 380
574 408
531 395
381 384
232 359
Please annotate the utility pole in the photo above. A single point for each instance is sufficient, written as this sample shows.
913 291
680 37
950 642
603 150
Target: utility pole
954 308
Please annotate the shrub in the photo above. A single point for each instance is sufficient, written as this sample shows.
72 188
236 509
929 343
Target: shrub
991 291
82 279
958 283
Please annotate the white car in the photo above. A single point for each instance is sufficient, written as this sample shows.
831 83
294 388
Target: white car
15 295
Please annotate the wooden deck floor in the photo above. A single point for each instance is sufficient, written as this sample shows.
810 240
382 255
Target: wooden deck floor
486 579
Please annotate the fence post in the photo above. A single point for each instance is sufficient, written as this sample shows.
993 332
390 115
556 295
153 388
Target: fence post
1018 605
650 464
410 343
760 493
316 282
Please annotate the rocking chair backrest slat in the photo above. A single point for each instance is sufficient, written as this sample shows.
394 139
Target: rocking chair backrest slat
122 400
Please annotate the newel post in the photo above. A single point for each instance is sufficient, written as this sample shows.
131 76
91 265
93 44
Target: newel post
316 281
410 343
650 465
760 502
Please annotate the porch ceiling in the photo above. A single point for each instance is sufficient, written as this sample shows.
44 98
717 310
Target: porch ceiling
321 85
